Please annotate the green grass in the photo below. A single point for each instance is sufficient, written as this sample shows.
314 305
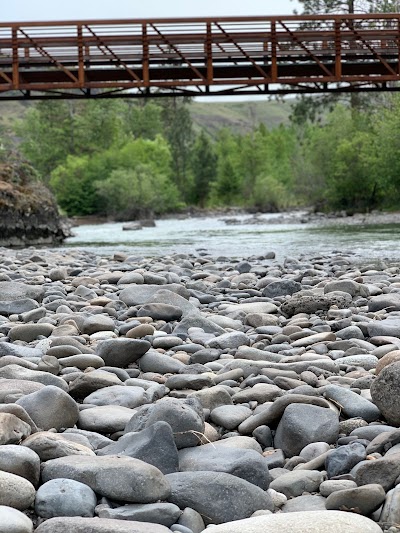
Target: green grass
240 117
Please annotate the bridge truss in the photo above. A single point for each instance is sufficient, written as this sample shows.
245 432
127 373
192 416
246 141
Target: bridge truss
201 56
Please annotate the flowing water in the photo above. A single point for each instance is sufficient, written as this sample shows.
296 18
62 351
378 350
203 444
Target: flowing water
243 239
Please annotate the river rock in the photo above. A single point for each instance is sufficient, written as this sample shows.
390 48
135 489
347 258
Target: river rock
118 395
105 418
118 478
215 495
13 290
295 483
140 294
16 491
303 522
246 464
50 407
122 352
65 497
98 525
230 416
13 521
341 460
361 500
20 461
302 424
391 509
304 303
165 514
184 416
385 392
351 404
154 445
12 429
382 471
48 445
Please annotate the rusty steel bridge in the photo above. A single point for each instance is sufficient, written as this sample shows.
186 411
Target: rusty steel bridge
200 56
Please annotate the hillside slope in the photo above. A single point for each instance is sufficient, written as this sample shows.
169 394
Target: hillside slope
240 117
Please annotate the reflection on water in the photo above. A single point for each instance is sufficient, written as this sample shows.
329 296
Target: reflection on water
241 240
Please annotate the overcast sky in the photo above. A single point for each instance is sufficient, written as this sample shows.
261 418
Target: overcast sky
24 10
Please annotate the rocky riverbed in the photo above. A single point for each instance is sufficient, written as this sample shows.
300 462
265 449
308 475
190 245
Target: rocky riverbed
184 393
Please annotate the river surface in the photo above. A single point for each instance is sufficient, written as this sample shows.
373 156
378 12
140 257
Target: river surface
214 236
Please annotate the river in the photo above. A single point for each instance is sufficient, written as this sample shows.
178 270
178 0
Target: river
243 239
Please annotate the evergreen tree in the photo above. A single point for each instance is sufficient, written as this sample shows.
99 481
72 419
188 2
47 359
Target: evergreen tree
204 168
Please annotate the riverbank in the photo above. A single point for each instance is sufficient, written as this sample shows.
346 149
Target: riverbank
171 393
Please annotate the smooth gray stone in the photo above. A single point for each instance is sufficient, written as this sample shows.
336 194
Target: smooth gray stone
89 382
230 416
230 340
153 361
160 311
383 471
50 407
364 500
165 514
254 367
122 352
122 395
352 405
50 445
13 290
297 482
105 418
390 302
65 497
6 348
166 297
118 478
391 508
197 321
93 324
188 381
30 332
276 410
13 521
17 307
213 397
154 445
215 495
307 502
384 442
341 460
372 431
184 416
314 450
246 464
96 440
332 485
192 519
98 525
302 424
37 376
385 392
140 294
20 461
16 491
303 522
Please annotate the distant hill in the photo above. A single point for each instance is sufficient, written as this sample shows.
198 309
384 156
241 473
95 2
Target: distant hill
240 117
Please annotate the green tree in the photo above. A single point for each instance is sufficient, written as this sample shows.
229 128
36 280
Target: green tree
178 130
144 119
204 168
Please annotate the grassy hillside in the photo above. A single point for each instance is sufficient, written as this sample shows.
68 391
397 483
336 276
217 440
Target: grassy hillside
240 116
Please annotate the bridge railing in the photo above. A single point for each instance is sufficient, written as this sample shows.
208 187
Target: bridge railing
199 56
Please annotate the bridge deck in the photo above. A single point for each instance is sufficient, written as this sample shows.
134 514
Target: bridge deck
210 56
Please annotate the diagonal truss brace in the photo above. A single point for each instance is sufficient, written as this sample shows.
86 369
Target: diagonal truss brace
179 53
100 44
350 26
44 53
307 50
242 51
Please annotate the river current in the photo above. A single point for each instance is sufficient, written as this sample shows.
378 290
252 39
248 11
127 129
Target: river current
214 236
